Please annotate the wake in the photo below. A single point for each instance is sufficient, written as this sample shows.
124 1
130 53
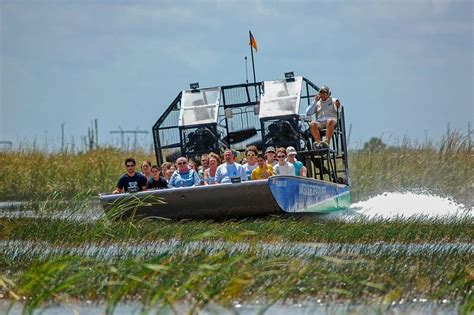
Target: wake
398 205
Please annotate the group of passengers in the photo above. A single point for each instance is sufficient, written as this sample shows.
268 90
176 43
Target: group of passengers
186 173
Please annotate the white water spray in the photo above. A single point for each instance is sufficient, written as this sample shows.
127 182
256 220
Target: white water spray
393 205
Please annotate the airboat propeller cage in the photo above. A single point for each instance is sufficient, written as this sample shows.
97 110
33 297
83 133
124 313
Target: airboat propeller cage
264 114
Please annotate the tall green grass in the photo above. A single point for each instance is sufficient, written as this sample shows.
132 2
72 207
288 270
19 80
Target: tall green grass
222 278
446 168
30 174
460 230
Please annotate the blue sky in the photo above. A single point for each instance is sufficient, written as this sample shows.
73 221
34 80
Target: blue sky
401 68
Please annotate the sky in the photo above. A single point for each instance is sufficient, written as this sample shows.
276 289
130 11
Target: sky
400 68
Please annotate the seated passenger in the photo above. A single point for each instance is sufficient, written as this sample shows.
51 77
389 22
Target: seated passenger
204 165
192 165
283 167
146 169
229 169
270 156
184 176
327 109
210 172
300 169
167 174
263 169
251 154
131 181
156 181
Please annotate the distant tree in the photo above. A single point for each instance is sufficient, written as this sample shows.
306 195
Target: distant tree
374 144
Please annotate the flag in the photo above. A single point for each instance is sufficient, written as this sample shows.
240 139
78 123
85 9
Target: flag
253 42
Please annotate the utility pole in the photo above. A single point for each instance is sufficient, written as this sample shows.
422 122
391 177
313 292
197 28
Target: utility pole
123 132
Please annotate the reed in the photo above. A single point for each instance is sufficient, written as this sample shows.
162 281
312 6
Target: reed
67 180
30 174
446 169
277 229
223 278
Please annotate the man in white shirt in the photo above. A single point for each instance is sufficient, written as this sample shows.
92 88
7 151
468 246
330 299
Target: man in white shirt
229 169
326 109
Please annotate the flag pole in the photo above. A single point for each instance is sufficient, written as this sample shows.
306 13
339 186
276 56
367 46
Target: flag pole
253 65
246 71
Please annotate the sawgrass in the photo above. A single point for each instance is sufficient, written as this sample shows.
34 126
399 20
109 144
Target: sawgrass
446 168
68 180
29 174
276 229
223 278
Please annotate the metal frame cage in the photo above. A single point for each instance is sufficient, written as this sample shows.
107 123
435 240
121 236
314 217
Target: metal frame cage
267 113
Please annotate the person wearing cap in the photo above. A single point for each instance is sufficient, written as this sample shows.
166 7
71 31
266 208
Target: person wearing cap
229 169
300 169
283 167
327 109
270 156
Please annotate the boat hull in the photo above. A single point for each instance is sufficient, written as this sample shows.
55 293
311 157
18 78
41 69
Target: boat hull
303 195
237 200
277 195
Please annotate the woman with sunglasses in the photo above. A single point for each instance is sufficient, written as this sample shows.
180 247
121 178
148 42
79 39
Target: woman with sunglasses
184 176
283 167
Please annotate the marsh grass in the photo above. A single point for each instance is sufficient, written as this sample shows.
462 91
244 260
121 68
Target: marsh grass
454 230
222 278
446 168
30 174
59 181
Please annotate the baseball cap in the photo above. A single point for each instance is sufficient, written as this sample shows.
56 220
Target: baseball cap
270 149
290 151
324 88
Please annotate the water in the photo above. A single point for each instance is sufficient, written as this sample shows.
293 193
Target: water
418 306
15 249
396 205
386 206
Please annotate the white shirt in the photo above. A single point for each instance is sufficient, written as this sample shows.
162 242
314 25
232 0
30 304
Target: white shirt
287 169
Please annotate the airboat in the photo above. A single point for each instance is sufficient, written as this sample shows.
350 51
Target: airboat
267 113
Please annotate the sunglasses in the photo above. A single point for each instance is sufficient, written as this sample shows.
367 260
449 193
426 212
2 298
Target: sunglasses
281 156
323 92
130 165
250 154
182 163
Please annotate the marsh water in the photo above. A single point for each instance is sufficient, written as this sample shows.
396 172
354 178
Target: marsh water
387 206
315 307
